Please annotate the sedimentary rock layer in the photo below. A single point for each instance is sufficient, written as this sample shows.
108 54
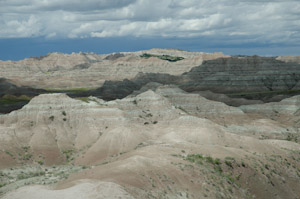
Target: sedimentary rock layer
159 143
82 70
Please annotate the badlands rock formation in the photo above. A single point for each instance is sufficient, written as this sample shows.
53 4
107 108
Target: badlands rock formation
295 59
160 143
14 97
8 88
117 75
248 74
150 124
89 70
256 78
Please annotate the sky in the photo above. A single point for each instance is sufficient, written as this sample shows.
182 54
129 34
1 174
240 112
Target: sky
37 27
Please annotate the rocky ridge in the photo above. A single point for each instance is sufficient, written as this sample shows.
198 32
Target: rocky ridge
117 75
158 143
161 123
255 78
89 70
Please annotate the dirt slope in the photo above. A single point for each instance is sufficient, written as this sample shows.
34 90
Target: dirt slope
161 143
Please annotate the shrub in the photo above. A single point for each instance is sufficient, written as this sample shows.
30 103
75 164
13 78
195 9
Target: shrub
163 57
26 148
51 118
9 153
40 162
27 156
228 163
2 185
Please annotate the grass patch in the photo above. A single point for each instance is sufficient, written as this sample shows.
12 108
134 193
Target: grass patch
84 99
40 162
11 99
27 156
2 184
70 90
23 176
217 165
68 154
163 57
292 138
26 148
9 153
229 161
200 159
13 178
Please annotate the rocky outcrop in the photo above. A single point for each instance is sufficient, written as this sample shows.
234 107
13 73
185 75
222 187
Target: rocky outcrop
8 88
89 70
295 59
287 111
243 75
152 139
53 123
255 78
13 97
163 142
238 101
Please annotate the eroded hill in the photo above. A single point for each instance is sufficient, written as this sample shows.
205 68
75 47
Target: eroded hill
164 143
118 75
89 70
150 124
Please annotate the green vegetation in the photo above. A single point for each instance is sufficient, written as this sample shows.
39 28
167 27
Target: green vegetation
2 184
229 161
68 154
23 176
199 159
217 165
163 57
13 178
84 99
26 148
11 99
70 90
51 118
40 162
27 156
292 137
9 153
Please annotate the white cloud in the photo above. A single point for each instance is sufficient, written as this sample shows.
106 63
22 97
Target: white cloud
66 5
240 20
51 35
29 27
